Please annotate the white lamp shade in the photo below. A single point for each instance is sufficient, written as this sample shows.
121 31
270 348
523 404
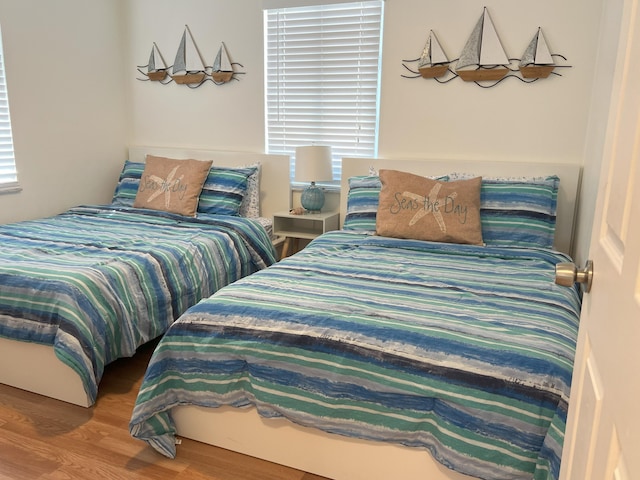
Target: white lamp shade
313 164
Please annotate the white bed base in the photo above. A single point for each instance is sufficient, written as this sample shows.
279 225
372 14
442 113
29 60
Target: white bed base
35 368
335 456
329 455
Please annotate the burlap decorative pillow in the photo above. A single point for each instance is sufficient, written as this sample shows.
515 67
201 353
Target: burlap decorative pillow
421 208
171 185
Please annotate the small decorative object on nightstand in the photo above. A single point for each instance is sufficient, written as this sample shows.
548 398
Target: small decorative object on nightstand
313 164
294 227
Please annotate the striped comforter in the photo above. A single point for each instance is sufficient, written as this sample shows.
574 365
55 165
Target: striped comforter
96 282
465 351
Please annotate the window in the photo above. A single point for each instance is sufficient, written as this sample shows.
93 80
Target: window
8 173
322 78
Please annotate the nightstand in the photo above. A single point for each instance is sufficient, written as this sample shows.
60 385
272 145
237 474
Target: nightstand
307 226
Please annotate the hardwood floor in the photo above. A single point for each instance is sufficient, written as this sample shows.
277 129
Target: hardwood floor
42 438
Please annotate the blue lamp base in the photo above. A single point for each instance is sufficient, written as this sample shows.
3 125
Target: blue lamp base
312 198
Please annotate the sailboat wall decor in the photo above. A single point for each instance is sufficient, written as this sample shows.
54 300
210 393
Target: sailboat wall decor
222 70
155 72
483 57
433 61
537 61
189 67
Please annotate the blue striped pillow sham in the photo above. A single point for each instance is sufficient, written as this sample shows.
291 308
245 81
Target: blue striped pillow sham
519 212
224 190
128 183
362 204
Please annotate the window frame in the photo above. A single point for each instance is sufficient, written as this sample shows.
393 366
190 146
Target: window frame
8 166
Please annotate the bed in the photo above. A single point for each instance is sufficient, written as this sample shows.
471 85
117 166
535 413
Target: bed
373 357
90 285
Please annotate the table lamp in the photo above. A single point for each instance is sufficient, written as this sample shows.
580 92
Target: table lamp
313 164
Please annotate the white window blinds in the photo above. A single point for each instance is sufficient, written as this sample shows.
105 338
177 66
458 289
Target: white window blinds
322 78
8 174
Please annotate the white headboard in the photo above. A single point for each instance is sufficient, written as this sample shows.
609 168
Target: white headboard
275 193
567 196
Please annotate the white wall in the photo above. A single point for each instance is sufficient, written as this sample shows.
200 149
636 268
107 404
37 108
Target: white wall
512 121
65 78
225 117
594 146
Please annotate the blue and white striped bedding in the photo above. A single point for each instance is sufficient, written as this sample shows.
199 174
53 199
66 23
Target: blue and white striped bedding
465 351
96 282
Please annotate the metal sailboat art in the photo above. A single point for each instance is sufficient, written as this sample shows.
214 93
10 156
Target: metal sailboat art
483 57
154 72
537 61
188 66
222 70
433 62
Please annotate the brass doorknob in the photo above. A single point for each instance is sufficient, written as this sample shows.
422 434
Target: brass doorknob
567 274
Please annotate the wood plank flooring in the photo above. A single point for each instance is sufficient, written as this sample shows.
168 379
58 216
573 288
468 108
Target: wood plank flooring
42 438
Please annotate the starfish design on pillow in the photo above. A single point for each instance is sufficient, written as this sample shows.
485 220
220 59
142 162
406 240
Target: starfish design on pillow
166 186
431 204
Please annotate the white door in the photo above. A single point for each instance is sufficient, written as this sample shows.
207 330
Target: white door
603 431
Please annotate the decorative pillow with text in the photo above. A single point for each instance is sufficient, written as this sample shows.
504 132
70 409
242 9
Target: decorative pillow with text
420 208
171 185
